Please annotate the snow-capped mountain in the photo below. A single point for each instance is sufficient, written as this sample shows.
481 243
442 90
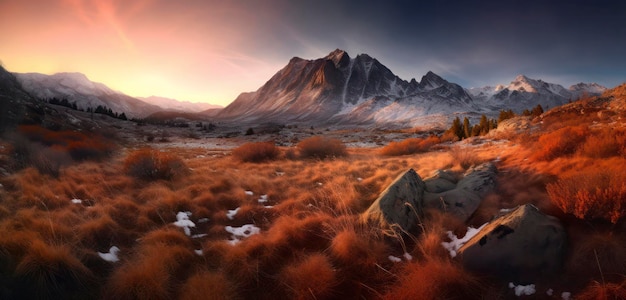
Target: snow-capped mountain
177 105
341 89
525 93
590 89
76 87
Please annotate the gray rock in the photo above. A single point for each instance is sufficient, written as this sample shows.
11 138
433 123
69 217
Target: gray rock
521 245
463 200
401 204
440 181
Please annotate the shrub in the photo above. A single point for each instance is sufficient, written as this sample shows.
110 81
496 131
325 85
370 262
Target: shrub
321 148
209 286
409 146
604 143
595 195
149 164
561 142
256 152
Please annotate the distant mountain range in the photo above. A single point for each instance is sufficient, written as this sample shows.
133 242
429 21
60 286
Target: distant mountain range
335 89
77 88
361 90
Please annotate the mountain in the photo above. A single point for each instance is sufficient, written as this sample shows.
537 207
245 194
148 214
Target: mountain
17 105
525 93
177 105
76 87
341 89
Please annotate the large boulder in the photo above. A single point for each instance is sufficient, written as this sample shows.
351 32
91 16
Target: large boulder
521 245
463 199
401 204
440 181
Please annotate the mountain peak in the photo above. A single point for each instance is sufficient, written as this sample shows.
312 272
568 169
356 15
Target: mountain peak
521 78
339 57
431 81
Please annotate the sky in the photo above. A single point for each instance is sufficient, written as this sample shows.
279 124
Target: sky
211 51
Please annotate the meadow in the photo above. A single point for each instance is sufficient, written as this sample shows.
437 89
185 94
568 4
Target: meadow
94 218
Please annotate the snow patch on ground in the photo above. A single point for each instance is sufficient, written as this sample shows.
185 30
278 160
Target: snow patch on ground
520 290
232 213
239 233
183 221
566 295
249 193
111 256
263 199
198 252
395 259
76 201
456 243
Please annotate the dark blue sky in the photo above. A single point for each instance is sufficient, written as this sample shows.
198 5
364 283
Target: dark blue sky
473 43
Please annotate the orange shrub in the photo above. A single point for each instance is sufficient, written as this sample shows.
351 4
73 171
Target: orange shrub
149 164
321 148
607 290
409 146
599 195
604 143
256 152
561 142
209 286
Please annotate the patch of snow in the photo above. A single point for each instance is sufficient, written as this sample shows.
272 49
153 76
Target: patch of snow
203 220
359 179
520 290
550 292
566 295
232 212
456 243
183 221
319 184
408 256
263 199
249 193
268 206
280 173
76 201
244 231
395 259
111 256
198 252
197 236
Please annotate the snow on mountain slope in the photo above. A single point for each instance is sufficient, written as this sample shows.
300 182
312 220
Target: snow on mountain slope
76 87
525 93
341 89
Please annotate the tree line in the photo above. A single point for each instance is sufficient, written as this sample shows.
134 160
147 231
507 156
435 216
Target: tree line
465 129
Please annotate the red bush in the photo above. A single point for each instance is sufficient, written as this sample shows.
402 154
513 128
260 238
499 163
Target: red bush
599 195
321 148
256 152
410 146
561 142
149 164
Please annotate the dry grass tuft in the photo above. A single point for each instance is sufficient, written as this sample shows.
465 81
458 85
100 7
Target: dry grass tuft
149 164
603 291
464 157
320 147
311 277
208 285
256 152
435 279
51 272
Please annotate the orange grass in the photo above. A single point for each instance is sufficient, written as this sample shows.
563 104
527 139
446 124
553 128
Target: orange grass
410 146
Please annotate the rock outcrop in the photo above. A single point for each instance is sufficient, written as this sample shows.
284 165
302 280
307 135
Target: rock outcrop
460 198
520 245
400 205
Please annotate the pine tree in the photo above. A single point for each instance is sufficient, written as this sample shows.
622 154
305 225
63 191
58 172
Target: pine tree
467 128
